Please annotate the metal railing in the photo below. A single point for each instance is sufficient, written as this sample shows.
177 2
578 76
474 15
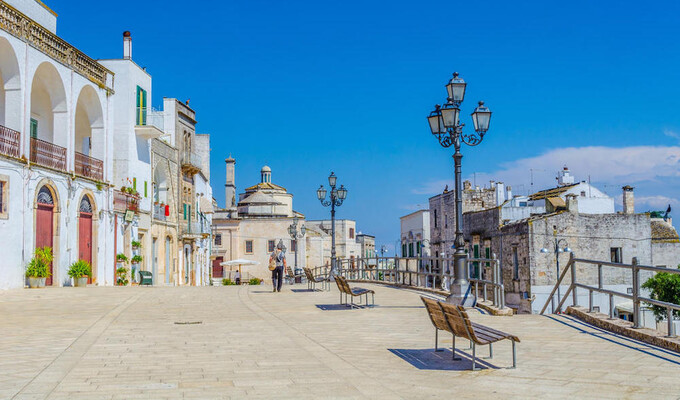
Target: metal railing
24 28
195 228
635 296
425 273
159 212
10 142
48 154
89 167
191 161
124 201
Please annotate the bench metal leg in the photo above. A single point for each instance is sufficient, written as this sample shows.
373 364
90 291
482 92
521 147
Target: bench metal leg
490 352
453 350
436 340
469 345
514 356
474 357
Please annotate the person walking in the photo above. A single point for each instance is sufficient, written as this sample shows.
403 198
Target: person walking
279 258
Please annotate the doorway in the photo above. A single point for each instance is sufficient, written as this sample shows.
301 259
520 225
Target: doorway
44 224
85 232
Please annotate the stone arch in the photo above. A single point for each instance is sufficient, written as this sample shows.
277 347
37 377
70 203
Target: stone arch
49 110
10 87
89 124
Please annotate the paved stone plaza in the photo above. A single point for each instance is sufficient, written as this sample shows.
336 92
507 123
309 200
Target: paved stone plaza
238 342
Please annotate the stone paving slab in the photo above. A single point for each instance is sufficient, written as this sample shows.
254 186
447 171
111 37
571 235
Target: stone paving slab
246 342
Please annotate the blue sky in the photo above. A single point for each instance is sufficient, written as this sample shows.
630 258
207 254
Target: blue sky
310 87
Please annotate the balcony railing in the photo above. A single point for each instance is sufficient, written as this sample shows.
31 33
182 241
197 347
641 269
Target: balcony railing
124 201
48 154
191 162
196 228
89 167
10 142
159 212
24 28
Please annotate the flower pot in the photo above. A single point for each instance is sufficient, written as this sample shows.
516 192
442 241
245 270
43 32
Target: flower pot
80 282
35 283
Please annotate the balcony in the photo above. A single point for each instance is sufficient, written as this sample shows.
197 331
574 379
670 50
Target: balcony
24 28
195 229
48 154
124 201
89 167
159 212
191 163
10 142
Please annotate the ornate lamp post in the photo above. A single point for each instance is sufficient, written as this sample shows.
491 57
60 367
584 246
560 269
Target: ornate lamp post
336 199
445 125
295 235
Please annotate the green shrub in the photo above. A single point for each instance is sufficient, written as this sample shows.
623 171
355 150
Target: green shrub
121 276
254 281
122 258
136 259
39 266
664 287
228 282
80 269
136 244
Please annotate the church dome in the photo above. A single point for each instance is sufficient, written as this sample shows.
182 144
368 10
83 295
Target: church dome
266 169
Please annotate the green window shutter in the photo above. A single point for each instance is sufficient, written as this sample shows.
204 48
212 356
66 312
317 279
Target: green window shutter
145 189
34 128
141 106
185 210
134 183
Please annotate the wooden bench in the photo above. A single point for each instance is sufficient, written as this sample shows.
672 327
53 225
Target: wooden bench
312 280
350 292
145 278
458 323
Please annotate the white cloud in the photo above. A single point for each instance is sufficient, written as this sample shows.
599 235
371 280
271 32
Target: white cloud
672 134
434 187
617 166
655 202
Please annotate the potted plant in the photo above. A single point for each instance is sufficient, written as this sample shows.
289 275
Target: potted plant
80 271
136 244
121 276
121 258
39 267
136 259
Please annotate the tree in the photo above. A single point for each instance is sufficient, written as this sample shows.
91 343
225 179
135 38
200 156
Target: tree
664 287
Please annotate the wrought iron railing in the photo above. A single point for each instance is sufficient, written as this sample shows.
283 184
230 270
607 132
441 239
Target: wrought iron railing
89 167
191 161
125 201
48 154
636 296
196 228
429 273
10 142
24 28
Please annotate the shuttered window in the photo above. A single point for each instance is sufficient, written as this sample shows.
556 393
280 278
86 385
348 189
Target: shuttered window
141 106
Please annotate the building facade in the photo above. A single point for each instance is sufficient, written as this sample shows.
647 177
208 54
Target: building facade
415 234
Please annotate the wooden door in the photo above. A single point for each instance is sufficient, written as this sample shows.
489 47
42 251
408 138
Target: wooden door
218 269
44 227
85 232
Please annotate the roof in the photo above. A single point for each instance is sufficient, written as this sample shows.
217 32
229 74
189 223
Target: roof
259 198
663 232
266 185
557 202
554 192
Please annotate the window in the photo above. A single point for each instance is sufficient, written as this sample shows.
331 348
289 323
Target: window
271 245
141 106
418 248
410 249
184 208
403 250
435 217
293 245
446 221
145 189
218 239
515 264
249 247
616 255
351 233
583 193
34 128
134 183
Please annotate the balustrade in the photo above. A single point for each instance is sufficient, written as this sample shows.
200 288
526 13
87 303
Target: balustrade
89 167
48 154
10 142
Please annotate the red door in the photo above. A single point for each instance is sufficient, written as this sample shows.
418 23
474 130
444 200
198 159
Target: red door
218 270
43 231
85 240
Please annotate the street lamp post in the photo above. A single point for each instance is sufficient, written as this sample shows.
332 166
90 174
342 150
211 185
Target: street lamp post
295 235
557 249
445 125
337 197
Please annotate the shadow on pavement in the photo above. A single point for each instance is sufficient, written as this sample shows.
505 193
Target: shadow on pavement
304 290
335 307
428 359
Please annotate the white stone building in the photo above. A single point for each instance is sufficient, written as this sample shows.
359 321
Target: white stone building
415 234
56 148
319 241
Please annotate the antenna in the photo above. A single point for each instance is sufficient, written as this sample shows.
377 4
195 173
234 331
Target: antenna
532 176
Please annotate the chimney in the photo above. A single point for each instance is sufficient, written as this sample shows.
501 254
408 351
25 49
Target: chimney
572 203
127 45
628 200
230 184
500 193
508 195
467 185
